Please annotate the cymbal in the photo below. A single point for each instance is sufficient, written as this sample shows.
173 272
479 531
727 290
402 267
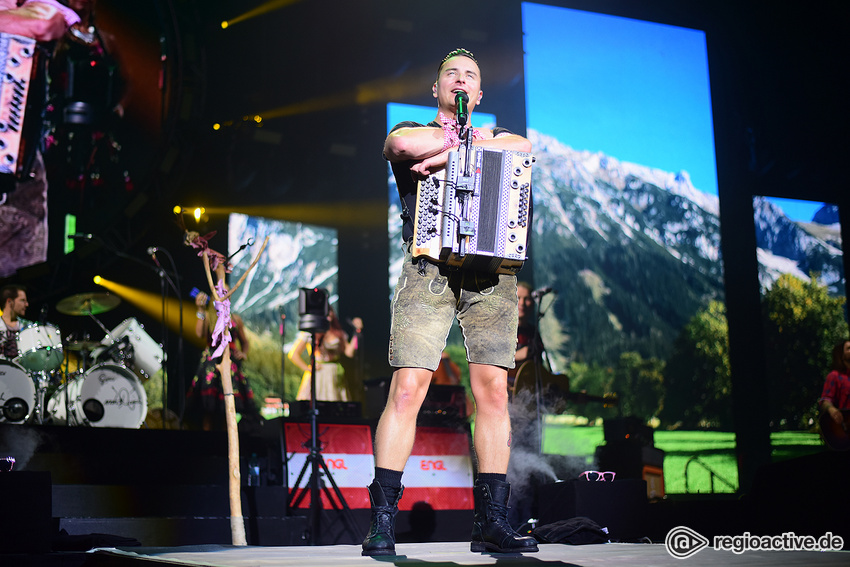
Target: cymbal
82 345
88 304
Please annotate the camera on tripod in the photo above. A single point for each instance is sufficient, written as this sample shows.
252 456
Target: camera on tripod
313 310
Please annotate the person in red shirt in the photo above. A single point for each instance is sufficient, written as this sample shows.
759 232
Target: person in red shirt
836 388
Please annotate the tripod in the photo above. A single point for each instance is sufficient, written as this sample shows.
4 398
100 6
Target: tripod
316 462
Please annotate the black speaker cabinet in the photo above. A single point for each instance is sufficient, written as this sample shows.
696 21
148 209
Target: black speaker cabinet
444 406
631 459
620 506
629 429
27 503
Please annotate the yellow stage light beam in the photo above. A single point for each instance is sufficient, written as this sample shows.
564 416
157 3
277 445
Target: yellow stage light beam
379 90
342 214
385 89
151 304
258 11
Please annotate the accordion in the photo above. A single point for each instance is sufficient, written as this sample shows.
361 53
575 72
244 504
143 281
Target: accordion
476 217
17 58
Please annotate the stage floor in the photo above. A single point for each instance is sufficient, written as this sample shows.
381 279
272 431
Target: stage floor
450 554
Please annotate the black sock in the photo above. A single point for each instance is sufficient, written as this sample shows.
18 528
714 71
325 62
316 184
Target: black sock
484 477
388 478
390 482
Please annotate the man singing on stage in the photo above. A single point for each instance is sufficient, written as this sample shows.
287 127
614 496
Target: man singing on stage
427 298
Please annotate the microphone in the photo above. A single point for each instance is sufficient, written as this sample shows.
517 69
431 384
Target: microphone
152 252
462 100
43 315
80 236
540 292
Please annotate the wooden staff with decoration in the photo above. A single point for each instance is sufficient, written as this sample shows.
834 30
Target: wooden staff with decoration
218 263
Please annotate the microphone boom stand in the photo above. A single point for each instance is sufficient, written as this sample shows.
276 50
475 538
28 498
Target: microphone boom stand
464 186
538 359
164 277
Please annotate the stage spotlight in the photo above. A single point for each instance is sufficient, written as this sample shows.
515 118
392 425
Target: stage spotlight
224 25
97 279
199 213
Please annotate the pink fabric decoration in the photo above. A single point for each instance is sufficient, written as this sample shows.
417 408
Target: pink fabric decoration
451 132
201 244
221 332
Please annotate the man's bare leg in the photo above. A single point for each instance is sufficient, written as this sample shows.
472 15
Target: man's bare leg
491 531
394 439
492 436
396 429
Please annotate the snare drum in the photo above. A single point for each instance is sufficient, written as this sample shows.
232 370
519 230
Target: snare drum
17 393
131 346
108 395
39 347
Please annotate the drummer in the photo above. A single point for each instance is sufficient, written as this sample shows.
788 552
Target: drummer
14 298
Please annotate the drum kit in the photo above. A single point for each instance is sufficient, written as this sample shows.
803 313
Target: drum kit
80 381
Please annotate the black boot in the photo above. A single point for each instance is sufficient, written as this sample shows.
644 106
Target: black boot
381 537
490 528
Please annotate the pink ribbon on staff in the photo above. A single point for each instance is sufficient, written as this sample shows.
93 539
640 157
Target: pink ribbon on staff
221 332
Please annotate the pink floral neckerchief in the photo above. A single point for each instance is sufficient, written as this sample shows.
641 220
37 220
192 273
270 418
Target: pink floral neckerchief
451 130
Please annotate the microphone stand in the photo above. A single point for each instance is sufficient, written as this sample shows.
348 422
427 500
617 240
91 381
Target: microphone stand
538 376
163 278
538 368
163 364
464 186
283 402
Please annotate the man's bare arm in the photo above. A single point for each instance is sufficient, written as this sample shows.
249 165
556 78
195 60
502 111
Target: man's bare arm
413 143
37 20
514 142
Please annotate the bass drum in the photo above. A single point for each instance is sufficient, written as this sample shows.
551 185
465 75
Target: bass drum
108 395
17 393
129 344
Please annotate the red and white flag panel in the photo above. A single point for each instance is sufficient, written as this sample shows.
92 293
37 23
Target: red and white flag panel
347 451
438 472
